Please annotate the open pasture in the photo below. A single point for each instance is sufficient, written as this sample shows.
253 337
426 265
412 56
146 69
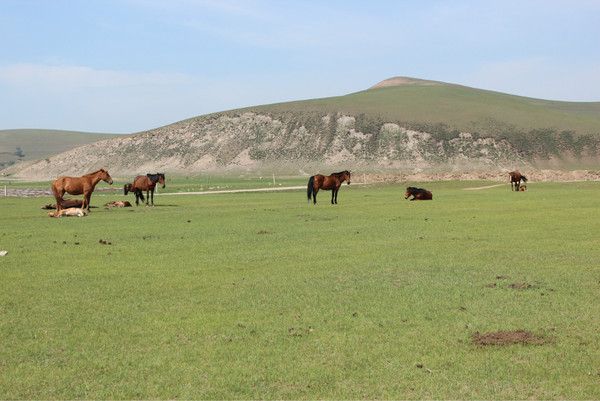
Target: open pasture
258 295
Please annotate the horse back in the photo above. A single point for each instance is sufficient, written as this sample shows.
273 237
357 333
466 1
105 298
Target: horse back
330 182
70 185
142 183
425 195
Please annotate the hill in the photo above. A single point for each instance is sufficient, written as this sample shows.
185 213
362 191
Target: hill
430 103
399 124
38 144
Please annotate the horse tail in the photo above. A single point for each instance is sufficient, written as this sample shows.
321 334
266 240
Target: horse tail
524 178
310 188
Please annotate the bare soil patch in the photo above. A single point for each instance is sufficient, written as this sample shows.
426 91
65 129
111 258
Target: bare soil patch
520 286
507 338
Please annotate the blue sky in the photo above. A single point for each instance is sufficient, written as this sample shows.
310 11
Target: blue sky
131 65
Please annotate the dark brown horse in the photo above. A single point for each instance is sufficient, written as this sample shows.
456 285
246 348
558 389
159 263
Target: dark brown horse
331 182
418 194
144 183
515 180
79 185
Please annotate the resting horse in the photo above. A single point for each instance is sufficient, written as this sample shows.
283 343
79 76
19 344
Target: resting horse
144 183
418 194
331 182
66 204
515 180
79 185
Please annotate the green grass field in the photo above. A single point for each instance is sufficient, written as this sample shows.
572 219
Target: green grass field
259 296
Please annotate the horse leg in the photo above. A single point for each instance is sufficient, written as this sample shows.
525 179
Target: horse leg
332 196
336 194
147 197
58 196
86 201
152 194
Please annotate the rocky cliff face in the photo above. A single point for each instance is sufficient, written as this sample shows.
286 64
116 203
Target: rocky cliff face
249 140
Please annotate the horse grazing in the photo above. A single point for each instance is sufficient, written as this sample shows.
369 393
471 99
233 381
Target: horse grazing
331 182
515 180
144 183
418 194
79 185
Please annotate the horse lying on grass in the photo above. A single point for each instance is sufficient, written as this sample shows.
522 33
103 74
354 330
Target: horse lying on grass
70 212
118 204
418 194
65 204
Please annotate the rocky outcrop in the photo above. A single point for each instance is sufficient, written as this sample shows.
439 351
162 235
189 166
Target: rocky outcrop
249 140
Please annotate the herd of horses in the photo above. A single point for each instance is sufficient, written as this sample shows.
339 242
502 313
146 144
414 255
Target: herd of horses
85 185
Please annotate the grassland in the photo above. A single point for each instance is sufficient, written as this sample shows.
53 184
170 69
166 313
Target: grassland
260 296
457 107
41 143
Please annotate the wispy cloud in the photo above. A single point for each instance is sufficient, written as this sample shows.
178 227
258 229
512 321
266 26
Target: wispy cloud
68 77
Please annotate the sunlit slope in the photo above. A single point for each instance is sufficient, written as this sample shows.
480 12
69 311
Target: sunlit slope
458 107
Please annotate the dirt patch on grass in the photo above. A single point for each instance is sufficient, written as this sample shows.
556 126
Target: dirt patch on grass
507 338
520 286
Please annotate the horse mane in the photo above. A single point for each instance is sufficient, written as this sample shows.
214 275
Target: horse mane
155 177
341 173
93 172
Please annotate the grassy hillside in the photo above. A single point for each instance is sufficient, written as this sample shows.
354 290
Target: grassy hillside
412 124
258 296
428 103
41 143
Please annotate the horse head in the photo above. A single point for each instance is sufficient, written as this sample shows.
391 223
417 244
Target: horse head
158 177
346 176
104 176
409 192
126 188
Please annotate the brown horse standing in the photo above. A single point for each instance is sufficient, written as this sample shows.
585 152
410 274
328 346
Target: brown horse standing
331 182
144 183
79 185
515 180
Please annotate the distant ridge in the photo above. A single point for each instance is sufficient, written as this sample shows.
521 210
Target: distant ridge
399 81
41 143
